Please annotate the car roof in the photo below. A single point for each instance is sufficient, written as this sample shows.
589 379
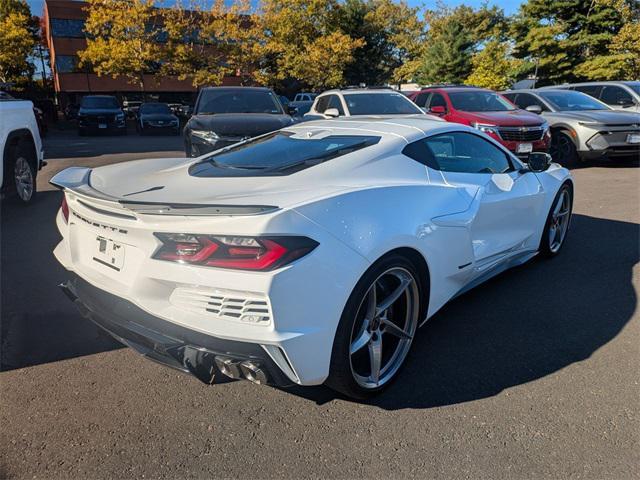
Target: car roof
456 89
259 89
408 128
360 90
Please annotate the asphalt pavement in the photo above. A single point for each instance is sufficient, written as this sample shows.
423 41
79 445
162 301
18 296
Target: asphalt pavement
532 375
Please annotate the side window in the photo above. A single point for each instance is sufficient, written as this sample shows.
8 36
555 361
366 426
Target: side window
616 96
421 99
459 152
437 100
321 104
334 102
593 90
524 100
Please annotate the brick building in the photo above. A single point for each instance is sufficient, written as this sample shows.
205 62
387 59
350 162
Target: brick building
63 22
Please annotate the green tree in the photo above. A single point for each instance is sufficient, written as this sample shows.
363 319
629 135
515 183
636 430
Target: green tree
622 61
493 67
404 35
121 38
18 39
448 55
369 64
561 35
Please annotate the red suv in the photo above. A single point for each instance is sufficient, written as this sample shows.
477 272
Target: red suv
520 131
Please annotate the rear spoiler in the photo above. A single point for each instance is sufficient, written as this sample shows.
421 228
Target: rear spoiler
78 180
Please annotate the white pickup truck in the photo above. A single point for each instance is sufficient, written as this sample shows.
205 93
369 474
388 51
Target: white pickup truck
21 147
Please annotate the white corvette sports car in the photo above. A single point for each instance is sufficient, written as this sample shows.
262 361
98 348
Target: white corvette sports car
305 256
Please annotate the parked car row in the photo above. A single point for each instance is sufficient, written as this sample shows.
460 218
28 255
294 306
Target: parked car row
569 124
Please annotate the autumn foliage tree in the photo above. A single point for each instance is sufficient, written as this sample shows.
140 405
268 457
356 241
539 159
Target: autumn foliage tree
18 38
493 67
122 38
302 40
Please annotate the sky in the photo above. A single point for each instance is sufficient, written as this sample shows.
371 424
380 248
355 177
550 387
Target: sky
509 6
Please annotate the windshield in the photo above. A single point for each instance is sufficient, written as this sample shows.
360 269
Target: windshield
278 153
238 101
155 108
100 102
572 101
635 86
479 101
380 104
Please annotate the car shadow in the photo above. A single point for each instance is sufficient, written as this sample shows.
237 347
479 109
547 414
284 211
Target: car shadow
521 326
38 323
620 162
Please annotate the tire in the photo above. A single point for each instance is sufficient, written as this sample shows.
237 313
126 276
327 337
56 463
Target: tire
22 172
563 150
361 333
558 222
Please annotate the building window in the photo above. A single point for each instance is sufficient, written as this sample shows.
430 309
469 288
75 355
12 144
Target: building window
66 63
64 27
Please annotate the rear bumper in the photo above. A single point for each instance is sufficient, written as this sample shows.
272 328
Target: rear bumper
165 342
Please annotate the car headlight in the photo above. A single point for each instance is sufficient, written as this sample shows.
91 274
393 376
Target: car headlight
206 135
119 116
491 129
545 128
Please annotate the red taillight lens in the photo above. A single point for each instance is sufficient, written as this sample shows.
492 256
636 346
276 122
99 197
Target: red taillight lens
65 208
243 253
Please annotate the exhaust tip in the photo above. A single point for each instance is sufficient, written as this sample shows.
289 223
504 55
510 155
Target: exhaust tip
252 372
228 366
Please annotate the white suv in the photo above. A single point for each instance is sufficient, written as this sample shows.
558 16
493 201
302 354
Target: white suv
362 102
618 95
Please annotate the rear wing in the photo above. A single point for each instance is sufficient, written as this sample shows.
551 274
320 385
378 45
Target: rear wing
78 181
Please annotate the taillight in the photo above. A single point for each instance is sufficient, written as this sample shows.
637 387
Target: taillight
65 208
243 253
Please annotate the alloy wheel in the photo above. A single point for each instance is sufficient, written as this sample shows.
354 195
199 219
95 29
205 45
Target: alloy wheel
559 221
385 325
23 178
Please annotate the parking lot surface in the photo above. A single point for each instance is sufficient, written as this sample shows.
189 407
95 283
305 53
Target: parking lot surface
532 375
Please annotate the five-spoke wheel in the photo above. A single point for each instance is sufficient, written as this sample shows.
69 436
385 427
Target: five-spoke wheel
377 328
558 220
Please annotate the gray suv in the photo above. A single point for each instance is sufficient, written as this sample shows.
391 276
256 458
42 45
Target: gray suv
582 128
622 95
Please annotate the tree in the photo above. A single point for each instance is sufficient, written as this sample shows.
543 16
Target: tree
622 62
561 35
453 35
18 39
448 55
493 67
122 38
404 34
369 64
208 44
303 41
393 37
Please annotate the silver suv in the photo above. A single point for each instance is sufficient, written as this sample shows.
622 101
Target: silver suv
582 128
623 95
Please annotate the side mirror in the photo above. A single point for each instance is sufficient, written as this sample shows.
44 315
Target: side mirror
624 103
438 110
332 113
537 109
293 111
539 161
